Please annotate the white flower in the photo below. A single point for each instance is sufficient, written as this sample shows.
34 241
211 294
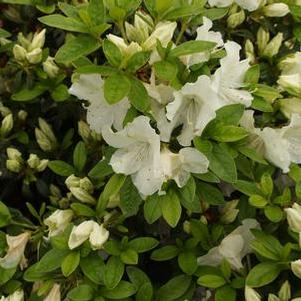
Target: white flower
18 295
194 107
54 294
290 78
15 252
91 230
229 78
249 5
294 217
296 267
99 112
138 154
205 34
233 247
290 106
276 10
58 221
179 166
251 294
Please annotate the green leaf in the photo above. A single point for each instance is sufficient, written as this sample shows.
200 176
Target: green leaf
123 290
52 260
211 281
226 133
4 33
116 88
96 11
145 292
138 60
165 253
82 210
252 154
174 288
130 199
60 93
152 209
262 105
273 213
100 170
252 75
113 273
65 23
183 11
171 208
76 48
70 263
165 70
210 194
137 276
248 188
6 275
82 292
263 274
187 262
143 244
225 293
188 191
112 53
257 201
267 184
103 70
231 114
61 168
26 94
93 267
129 256
191 47
80 156
5 217
138 96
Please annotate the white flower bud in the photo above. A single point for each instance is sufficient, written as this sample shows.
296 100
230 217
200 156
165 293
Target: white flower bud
34 56
38 40
294 217
14 154
84 131
276 10
22 115
263 37
25 43
285 292
33 161
236 19
13 166
19 53
289 106
4 110
47 130
43 141
273 46
42 166
86 184
82 195
72 181
50 67
251 294
249 51
7 125
58 221
296 267
54 294
273 297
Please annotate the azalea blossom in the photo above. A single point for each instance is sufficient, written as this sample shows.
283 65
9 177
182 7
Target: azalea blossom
194 107
233 247
99 112
290 78
91 230
18 295
279 146
205 34
179 166
249 5
54 294
293 215
138 154
58 221
15 252
229 78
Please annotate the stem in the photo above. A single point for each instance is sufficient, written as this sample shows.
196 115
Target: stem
122 30
24 225
182 31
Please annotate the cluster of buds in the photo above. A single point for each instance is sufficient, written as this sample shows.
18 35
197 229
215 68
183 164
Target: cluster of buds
88 135
56 197
236 17
29 49
229 212
15 161
284 294
50 67
45 136
268 47
81 188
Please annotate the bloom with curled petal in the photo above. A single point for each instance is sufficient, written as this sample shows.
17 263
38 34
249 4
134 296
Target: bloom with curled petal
58 221
138 154
229 78
99 112
194 107
234 247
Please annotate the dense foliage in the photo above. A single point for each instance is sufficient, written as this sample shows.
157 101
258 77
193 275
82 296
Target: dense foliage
149 150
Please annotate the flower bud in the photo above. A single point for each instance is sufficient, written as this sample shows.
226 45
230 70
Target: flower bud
50 67
43 141
187 227
285 292
72 181
19 53
296 267
289 106
42 166
276 10
273 297
4 110
86 184
14 154
249 51
37 41
35 56
24 42
236 19
263 37
84 131
55 191
33 161
294 217
54 294
22 115
251 294
18 295
7 125
82 195
13 166
58 221
47 130
273 46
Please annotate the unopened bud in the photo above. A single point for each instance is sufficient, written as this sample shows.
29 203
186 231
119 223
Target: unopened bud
273 297
19 53
43 141
33 161
273 46
276 10
82 195
38 40
285 292
13 165
24 42
55 191
47 130
229 212
42 166
14 154
84 130
4 110
50 67
236 19
263 37
251 294
22 115
72 181
35 56
249 51
187 227
296 267
86 184
7 125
